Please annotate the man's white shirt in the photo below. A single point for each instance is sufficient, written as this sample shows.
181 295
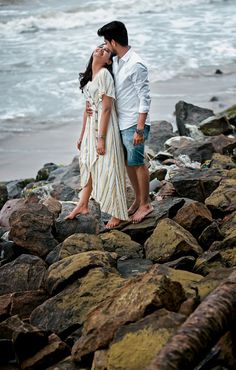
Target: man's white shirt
132 89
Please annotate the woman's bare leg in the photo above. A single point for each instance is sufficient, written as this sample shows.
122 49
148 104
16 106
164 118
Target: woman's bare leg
82 206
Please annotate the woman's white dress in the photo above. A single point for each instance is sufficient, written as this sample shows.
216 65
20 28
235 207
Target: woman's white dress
107 171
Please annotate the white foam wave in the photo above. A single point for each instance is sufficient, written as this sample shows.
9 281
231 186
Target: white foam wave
60 20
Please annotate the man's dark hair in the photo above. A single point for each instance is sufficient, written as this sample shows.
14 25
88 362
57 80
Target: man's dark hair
114 31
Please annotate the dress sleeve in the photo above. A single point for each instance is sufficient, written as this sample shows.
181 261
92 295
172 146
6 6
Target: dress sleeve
106 84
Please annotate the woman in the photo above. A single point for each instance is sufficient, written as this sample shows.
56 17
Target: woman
102 165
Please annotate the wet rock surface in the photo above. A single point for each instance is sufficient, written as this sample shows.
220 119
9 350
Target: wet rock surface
74 295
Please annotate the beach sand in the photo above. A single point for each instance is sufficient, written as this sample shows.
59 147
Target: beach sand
23 154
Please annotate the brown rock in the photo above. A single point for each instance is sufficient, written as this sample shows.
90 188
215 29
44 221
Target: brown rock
53 205
121 243
223 198
31 228
167 207
127 305
232 173
50 354
5 305
24 273
27 339
209 235
196 184
222 162
229 257
185 278
170 241
9 207
100 360
207 262
222 144
23 303
71 268
78 243
66 364
194 217
20 303
69 308
228 224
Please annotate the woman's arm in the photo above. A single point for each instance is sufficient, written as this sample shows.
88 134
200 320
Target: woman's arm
104 121
83 128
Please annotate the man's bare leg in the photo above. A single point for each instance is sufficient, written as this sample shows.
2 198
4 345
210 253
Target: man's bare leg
82 206
132 173
145 206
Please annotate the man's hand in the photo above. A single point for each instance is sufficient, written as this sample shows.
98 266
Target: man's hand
89 110
138 139
101 147
79 142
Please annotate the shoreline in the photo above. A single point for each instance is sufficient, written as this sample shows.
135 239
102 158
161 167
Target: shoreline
23 154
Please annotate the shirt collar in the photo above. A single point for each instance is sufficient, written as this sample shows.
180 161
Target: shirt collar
125 57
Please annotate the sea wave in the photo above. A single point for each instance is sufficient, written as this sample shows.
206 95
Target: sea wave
81 16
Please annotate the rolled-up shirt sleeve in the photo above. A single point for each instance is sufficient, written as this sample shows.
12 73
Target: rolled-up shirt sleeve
140 80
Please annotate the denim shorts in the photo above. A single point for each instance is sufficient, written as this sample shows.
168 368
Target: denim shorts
134 154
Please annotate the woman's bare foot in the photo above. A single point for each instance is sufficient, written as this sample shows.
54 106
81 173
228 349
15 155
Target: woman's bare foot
113 222
133 208
78 210
141 213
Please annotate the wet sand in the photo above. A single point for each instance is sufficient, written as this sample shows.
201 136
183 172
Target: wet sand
23 154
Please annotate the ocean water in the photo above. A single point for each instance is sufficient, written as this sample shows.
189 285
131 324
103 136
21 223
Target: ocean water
45 44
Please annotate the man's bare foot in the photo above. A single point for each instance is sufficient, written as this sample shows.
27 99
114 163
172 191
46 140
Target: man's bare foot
78 210
141 213
133 208
113 222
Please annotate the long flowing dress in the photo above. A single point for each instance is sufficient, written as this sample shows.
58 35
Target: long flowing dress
107 171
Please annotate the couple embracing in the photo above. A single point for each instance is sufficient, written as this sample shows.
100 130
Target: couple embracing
115 126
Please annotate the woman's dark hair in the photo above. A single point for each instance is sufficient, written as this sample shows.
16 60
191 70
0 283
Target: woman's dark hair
116 31
85 77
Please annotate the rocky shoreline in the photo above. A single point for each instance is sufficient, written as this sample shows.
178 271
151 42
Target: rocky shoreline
160 294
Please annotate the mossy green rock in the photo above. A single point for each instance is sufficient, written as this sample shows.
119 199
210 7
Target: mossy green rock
135 345
170 241
232 173
185 278
229 256
212 280
78 243
215 125
71 268
70 307
229 224
121 243
222 161
128 304
223 199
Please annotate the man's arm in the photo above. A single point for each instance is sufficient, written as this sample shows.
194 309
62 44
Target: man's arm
141 84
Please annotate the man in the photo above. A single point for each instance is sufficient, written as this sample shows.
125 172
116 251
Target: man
132 103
